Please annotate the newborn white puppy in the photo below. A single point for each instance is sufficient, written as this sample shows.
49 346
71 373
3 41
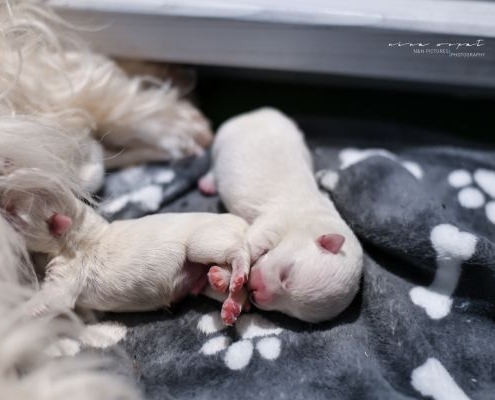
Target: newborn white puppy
133 265
308 262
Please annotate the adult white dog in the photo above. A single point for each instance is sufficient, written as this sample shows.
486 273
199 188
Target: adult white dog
66 111
50 81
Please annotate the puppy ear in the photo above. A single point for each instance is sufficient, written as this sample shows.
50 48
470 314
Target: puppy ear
59 224
332 242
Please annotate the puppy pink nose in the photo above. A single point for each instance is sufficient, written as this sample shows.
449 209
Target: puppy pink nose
259 292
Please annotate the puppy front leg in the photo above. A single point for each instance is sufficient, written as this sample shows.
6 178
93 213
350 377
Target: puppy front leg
239 262
263 235
212 246
232 303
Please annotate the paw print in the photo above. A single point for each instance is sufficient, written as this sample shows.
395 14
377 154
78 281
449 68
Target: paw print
351 156
328 178
470 196
253 331
100 335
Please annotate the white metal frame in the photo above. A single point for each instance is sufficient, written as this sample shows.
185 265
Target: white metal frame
352 38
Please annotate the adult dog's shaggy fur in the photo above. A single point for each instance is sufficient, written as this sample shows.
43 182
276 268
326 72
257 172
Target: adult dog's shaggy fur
64 112
50 80
26 370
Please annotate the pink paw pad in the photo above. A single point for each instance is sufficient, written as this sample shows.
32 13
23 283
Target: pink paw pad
238 282
218 279
230 311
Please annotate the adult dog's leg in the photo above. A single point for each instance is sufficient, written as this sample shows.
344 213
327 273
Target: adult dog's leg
134 113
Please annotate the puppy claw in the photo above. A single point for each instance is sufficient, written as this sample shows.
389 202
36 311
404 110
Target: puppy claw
237 282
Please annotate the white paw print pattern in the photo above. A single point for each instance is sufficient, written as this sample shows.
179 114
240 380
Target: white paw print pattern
254 332
351 156
452 247
328 179
473 197
101 335
431 379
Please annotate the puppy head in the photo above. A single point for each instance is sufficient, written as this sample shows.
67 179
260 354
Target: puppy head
40 207
312 278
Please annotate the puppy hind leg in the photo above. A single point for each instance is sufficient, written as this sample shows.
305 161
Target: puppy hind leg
264 234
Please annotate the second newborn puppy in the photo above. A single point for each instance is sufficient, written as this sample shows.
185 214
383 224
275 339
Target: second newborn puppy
308 261
131 265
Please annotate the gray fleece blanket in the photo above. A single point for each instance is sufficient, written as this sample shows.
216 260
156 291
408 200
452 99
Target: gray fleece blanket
421 326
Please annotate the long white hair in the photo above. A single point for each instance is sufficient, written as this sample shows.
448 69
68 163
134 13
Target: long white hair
44 150
26 370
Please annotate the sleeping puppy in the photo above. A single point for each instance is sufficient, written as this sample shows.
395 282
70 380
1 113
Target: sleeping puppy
308 262
134 265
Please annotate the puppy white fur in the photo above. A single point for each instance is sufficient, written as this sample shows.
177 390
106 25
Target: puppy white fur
308 261
133 265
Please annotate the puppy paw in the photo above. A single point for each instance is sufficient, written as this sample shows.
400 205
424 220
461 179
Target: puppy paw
240 274
219 279
230 311
207 184
237 281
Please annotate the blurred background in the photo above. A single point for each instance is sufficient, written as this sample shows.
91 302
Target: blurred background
382 70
